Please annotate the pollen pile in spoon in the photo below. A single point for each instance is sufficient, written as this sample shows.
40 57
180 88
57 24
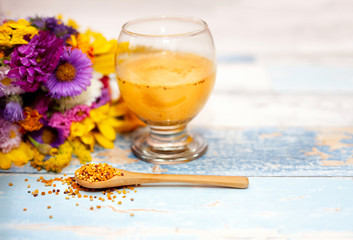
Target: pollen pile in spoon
97 172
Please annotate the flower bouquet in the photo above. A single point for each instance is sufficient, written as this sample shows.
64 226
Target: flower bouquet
58 93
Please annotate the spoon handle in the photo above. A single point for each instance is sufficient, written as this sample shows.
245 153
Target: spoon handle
224 181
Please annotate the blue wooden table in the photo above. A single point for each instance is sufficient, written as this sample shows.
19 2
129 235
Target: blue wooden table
280 113
300 188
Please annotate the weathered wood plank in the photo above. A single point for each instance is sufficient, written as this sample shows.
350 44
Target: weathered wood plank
270 208
250 152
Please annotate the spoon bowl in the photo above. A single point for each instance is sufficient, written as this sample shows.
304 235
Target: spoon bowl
128 178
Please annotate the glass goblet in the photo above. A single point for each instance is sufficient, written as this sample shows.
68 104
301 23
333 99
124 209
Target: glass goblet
166 69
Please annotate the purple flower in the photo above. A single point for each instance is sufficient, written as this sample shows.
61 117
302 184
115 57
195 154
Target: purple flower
103 99
49 135
72 76
12 108
10 136
42 104
13 112
55 26
33 63
38 22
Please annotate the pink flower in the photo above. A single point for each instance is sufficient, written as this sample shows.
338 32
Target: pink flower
61 121
10 137
64 120
8 89
78 113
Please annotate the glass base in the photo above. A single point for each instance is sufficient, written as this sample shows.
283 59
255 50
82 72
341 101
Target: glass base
169 145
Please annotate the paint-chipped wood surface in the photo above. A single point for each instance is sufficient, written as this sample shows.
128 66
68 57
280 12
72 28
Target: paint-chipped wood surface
280 113
272 208
251 152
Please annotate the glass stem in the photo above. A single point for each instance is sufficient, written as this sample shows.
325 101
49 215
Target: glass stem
168 138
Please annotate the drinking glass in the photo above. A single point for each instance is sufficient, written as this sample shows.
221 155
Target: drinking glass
166 69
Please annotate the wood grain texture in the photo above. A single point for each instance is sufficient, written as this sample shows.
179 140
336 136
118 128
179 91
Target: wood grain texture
266 151
133 178
271 208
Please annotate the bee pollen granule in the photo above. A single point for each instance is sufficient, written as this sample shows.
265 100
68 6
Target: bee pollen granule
93 172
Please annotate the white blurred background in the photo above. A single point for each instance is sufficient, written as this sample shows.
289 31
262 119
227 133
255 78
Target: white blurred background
281 62
319 30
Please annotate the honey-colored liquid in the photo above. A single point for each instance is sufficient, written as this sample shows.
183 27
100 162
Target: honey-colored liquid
166 88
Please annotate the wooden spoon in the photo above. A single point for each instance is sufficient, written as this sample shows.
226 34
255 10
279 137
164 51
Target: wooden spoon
133 178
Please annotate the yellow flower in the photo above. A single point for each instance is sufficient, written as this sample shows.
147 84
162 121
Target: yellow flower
103 141
129 121
81 151
83 130
82 42
5 160
38 159
98 127
22 154
70 22
98 49
59 161
19 156
104 52
12 32
105 122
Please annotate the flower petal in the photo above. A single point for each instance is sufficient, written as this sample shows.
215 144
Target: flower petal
25 61
22 154
79 129
99 114
30 72
88 139
106 129
5 161
115 122
104 142
22 70
118 110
